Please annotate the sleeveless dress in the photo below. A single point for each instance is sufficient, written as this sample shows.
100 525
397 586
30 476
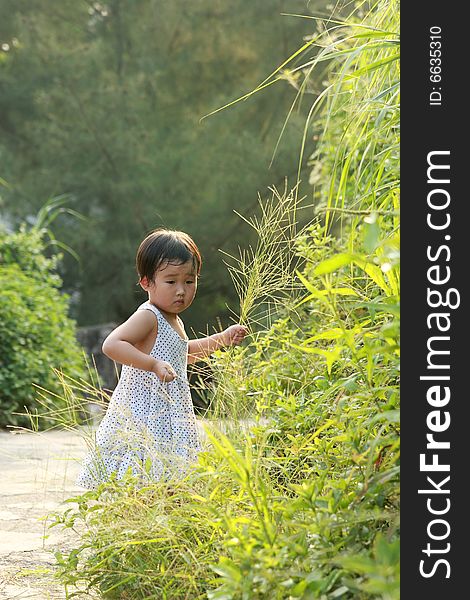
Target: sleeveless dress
149 427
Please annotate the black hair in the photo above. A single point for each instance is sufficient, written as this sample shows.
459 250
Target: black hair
166 245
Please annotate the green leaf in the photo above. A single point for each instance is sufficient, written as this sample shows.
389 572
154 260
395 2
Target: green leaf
390 416
228 569
333 264
375 274
331 356
372 66
371 233
387 552
339 592
358 564
334 334
342 291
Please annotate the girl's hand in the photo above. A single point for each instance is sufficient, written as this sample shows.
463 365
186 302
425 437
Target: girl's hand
234 335
164 371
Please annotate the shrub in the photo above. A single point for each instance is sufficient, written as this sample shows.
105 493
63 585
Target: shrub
36 335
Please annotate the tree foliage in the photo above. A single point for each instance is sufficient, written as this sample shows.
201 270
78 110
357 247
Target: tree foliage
104 101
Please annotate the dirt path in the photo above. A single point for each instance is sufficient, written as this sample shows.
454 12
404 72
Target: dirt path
37 474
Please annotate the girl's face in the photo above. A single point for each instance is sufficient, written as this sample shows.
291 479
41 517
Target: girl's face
173 287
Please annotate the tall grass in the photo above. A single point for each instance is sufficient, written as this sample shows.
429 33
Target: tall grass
264 278
263 275
302 503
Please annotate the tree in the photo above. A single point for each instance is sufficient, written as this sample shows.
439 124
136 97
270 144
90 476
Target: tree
104 101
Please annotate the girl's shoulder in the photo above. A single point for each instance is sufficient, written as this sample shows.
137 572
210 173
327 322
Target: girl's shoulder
151 313
137 327
148 306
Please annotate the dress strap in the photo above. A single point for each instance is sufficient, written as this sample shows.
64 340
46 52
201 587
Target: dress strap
162 321
149 306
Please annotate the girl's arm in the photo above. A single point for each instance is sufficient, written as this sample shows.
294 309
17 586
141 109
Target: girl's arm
131 342
202 347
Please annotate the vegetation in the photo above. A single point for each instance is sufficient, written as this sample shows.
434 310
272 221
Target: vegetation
37 336
103 101
302 502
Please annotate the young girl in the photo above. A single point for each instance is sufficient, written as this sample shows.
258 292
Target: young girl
150 427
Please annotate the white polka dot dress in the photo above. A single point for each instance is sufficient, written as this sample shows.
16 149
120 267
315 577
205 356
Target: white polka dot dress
149 427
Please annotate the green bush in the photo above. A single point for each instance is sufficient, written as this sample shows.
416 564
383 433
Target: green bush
36 335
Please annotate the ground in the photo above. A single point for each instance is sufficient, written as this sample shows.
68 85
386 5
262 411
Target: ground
38 473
